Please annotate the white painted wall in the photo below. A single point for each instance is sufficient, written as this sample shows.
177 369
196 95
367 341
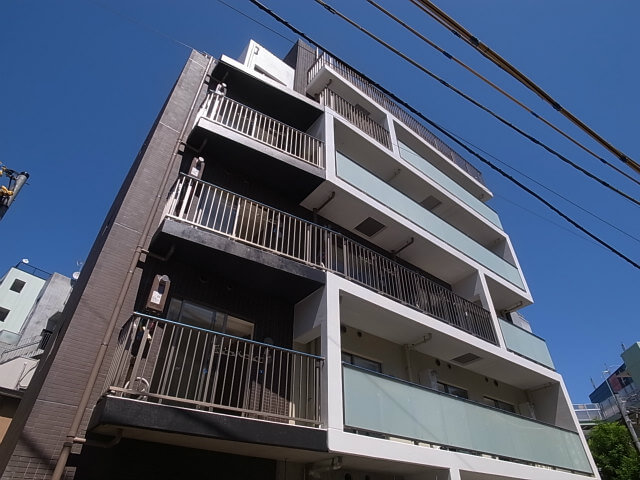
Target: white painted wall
18 304
261 60
16 374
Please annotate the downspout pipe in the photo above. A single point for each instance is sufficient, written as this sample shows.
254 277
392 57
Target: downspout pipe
407 347
72 435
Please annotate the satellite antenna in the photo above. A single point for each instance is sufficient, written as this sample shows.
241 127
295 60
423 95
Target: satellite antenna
75 275
25 260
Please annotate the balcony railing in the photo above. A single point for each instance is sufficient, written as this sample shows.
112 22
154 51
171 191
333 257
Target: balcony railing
26 347
526 344
356 117
209 207
165 362
588 412
390 105
390 407
260 127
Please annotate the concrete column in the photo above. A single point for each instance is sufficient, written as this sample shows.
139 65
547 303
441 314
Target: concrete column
332 352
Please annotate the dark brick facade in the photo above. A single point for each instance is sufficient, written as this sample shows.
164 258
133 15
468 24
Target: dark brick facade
41 424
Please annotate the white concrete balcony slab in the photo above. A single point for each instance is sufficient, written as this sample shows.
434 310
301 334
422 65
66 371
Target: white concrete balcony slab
246 121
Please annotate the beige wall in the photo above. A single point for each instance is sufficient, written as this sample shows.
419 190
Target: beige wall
392 358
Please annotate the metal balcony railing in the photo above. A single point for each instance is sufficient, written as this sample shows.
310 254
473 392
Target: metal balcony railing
391 106
267 130
212 208
165 362
26 347
356 117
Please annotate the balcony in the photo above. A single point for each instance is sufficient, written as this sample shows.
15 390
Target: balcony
357 117
211 208
588 413
526 344
382 99
266 130
383 406
163 362
448 184
377 189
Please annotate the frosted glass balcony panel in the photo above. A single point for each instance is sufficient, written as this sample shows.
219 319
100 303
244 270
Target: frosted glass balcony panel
368 183
526 344
385 405
448 184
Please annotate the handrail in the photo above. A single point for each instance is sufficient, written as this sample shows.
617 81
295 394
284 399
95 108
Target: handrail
212 208
359 119
166 362
390 105
269 131
26 348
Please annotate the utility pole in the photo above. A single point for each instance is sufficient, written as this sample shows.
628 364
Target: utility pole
9 193
624 414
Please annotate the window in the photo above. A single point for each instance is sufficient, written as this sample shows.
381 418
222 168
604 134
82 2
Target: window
17 285
357 361
209 319
451 390
3 314
499 404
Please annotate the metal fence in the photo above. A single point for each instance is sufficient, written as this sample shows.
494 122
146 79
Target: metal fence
212 208
356 117
267 130
166 362
390 105
588 412
27 347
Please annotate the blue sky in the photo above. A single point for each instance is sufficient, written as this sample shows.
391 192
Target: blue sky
82 81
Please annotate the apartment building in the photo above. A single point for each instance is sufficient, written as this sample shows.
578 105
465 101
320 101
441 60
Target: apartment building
297 280
30 304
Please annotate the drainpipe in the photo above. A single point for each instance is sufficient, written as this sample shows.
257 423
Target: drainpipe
72 435
407 354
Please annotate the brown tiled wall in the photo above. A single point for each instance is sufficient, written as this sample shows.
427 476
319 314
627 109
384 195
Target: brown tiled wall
42 421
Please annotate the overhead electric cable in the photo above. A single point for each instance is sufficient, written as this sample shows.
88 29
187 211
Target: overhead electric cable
550 190
470 144
501 90
459 31
139 23
444 132
478 104
256 21
534 194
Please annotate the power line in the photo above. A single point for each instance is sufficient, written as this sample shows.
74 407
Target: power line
478 104
139 23
460 32
256 21
477 148
541 217
502 91
451 137
550 190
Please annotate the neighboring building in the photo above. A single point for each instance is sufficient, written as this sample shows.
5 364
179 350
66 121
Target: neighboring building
623 382
31 301
297 280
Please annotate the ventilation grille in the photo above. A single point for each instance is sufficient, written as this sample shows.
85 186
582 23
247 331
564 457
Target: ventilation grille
466 358
430 202
370 227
